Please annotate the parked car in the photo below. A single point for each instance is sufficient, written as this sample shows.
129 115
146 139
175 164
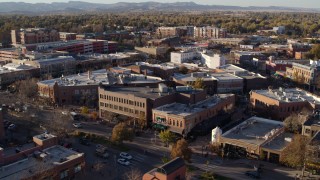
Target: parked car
125 155
102 155
84 141
253 174
77 125
12 127
123 162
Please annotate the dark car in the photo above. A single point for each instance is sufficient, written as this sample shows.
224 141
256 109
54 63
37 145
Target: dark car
253 174
84 141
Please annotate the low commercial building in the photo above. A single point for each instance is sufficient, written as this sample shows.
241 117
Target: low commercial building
164 71
43 159
312 125
182 118
11 73
9 54
212 61
228 83
256 137
209 81
175 169
281 103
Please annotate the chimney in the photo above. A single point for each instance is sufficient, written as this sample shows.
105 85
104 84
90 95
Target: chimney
89 74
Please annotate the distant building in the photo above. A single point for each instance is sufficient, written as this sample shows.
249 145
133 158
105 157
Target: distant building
42 159
298 47
251 81
281 103
61 65
304 73
163 32
175 169
209 32
182 56
156 52
279 29
182 118
34 35
213 61
164 71
256 137
9 54
66 36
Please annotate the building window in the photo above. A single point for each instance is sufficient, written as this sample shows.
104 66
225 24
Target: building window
101 104
77 168
174 122
180 123
64 174
307 131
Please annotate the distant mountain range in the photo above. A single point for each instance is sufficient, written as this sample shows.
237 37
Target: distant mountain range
82 7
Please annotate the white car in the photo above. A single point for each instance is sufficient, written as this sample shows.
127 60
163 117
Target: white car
125 155
123 162
12 126
77 125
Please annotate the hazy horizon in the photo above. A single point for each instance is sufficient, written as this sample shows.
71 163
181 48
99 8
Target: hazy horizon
244 3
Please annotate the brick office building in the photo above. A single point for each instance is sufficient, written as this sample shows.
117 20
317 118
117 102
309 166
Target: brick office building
182 118
280 103
138 102
34 35
173 170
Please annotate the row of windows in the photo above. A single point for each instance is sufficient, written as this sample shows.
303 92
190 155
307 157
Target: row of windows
122 100
284 109
120 108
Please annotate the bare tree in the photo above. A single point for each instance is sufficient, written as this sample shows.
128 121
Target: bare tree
133 174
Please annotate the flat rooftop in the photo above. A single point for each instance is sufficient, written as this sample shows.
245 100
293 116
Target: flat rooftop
81 79
48 158
254 130
230 68
164 66
279 142
225 76
11 67
194 76
185 110
289 95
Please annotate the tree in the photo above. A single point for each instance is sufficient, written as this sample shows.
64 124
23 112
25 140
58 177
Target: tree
181 149
293 123
183 70
122 132
167 137
198 84
316 51
294 154
26 89
84 110
133 174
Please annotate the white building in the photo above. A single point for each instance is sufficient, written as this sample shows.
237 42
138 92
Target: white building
213 61
279 29
181 57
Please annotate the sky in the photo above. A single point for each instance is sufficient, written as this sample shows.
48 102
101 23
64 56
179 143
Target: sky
288 3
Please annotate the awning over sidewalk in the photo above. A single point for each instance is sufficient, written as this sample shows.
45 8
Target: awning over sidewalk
159 126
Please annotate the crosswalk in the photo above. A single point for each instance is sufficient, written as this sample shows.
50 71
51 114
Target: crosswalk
136 160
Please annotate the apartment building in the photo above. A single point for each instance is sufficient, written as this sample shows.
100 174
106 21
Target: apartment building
182 118
255 137
175 169
170 31
66 36
281 103
34 35
42 159
9 54
209 32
